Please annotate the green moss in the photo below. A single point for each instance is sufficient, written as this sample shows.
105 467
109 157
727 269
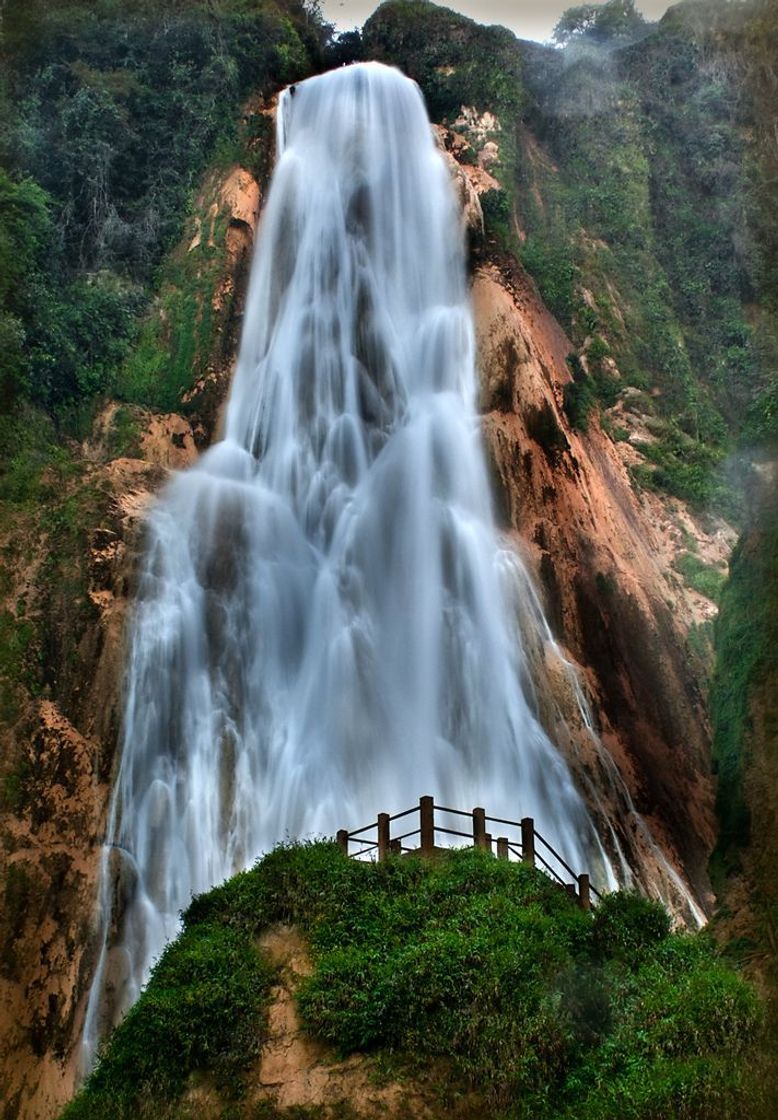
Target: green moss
578 402
496 208
123 438
598 349
687 468
542 426
550 262
176 339
701 643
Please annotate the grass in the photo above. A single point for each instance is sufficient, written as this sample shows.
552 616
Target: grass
203 1010
541 1009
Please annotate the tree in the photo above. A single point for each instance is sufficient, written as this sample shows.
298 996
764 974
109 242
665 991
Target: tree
599 23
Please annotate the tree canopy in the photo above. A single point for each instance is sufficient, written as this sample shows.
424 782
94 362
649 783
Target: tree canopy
599 23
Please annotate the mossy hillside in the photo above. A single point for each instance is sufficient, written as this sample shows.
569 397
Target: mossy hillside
178 339
543 1010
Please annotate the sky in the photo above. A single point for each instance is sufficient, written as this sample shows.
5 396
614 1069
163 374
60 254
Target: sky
529 19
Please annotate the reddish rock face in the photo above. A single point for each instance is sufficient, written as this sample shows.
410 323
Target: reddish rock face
600 559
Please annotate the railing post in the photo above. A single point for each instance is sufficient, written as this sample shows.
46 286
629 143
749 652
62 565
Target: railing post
479 828
427 824
395 847
383 835
488 842
571 892
343 840
584 897
528 840
502 847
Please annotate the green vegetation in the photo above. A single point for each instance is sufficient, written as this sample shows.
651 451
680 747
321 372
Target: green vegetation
746 660
176 339
109 115
543 1010
600 23
455 61
744 710
705 578
203 1010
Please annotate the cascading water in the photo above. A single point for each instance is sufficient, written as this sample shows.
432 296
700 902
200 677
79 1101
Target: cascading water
320 629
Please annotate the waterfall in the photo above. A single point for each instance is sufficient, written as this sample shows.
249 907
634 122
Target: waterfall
321 628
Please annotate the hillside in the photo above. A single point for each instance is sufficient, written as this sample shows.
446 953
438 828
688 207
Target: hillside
467 986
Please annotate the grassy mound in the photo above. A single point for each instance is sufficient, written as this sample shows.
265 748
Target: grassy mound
543 1010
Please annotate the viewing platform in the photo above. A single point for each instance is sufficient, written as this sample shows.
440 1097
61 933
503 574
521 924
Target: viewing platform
517 838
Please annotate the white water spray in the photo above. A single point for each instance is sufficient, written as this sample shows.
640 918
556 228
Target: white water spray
321 630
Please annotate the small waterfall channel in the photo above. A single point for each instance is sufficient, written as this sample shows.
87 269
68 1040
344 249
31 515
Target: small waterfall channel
322 628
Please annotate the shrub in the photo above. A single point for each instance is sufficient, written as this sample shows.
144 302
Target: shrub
625 925
578 402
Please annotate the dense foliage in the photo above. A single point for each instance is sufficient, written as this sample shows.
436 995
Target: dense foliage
747 662
203 1010
544 1010
600 23
109 114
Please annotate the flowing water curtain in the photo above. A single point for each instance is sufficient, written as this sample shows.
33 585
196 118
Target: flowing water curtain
320 629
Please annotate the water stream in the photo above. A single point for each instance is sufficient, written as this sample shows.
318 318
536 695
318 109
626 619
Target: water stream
321 630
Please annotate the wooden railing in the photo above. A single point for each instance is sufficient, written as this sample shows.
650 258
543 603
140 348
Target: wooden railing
520 839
